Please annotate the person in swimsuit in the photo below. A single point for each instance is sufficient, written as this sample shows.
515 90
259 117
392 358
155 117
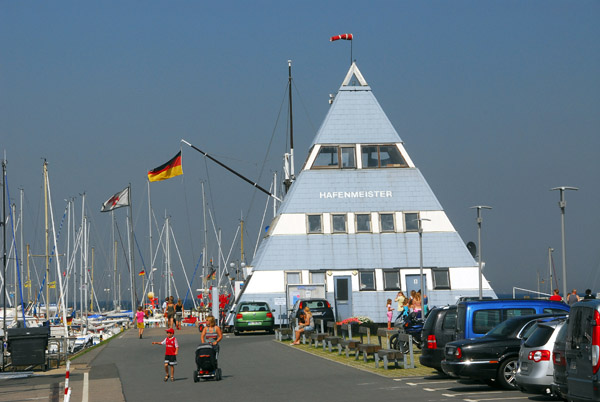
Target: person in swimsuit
211 333
178 313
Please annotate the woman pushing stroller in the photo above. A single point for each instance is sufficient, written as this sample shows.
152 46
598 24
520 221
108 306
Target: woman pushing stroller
211 333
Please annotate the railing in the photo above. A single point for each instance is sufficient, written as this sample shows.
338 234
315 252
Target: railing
535 292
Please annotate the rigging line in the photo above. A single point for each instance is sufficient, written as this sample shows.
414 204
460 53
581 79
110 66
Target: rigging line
123 248
304 107
139 251
262 222
181 262
187 211
192 280
268 147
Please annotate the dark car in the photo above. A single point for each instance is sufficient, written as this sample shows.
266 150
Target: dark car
253 316
438 330
559 361
319 308
493 357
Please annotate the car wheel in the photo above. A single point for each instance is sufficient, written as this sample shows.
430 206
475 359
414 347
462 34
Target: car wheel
236 332
506 373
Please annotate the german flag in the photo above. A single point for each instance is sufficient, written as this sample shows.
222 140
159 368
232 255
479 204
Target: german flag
167 170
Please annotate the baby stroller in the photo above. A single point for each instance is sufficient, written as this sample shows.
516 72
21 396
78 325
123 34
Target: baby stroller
207 363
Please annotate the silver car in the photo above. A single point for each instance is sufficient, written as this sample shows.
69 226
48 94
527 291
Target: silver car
536 369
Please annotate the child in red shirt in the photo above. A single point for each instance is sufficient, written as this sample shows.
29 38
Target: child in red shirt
172 348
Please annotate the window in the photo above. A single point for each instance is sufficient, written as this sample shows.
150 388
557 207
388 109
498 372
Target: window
314 224
381 156
518 312
317 277
363 222
391 280
367 280
293 278
386 222
441 278
411 222
327 158
348 157
449 320
334 156
484 320
338 223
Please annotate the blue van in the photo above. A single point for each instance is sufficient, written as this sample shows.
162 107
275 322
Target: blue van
476 318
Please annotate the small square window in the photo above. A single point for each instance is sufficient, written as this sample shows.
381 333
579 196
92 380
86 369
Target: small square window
363 222
348 158
391 280
314 224
367 280
293 278
386 222
411 221
317 277
338 223
441 278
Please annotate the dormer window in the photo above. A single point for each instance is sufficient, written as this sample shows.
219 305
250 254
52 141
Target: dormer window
381 156
335 157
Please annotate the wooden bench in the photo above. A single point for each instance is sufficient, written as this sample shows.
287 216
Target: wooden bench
281 333
333 339
367 348
347 343
388 354
317 337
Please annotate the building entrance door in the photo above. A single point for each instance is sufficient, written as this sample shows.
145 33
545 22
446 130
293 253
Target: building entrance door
343 297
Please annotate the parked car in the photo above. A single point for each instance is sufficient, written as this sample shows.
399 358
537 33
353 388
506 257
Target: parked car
559 385
536 369
253 316
493 357
582 351
438 330
476 318
319 308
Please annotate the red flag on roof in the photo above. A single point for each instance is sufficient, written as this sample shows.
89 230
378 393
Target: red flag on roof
342 36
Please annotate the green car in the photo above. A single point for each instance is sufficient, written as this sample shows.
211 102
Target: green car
253 316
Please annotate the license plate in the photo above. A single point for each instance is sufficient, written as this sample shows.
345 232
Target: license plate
254 323
524 367
450 351
573 365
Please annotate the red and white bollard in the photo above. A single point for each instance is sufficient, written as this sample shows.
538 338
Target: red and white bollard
67 389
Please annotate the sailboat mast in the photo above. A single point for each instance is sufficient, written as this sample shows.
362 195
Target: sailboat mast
151 273
131 253
290 175
3 258
46 232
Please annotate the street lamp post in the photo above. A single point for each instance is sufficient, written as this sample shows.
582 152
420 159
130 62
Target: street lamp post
479 220
562 204
423 286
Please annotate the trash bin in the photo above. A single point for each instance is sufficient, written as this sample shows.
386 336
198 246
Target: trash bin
27 346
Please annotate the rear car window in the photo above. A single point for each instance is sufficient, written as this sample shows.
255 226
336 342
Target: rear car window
554 311
449 320
539 337
248 307
315 304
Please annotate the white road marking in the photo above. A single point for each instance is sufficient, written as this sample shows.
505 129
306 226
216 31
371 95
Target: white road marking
496 399
434 389
473 393
84 397
431 382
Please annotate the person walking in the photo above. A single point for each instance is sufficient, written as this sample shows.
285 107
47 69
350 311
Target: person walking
211 333
172 348
170 312
178 313
139 317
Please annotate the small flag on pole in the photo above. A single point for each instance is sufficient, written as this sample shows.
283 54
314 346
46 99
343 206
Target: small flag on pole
167 170
121 199
342 36
142 273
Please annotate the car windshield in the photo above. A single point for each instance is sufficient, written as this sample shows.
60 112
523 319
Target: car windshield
248 307
506 329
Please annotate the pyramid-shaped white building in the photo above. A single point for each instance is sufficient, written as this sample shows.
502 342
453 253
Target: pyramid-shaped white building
348 230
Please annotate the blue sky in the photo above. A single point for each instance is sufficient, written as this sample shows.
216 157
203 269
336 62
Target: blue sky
496 102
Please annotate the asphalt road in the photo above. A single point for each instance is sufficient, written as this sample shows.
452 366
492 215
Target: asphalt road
255 368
